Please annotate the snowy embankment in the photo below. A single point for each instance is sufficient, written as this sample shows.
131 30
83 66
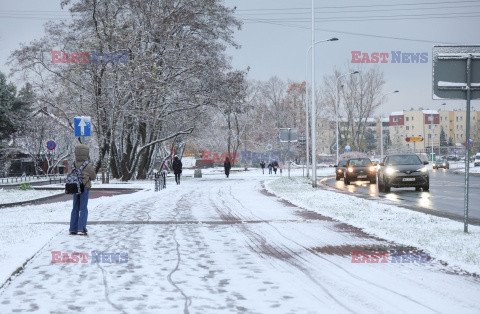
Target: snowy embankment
442 238
461 169
15 196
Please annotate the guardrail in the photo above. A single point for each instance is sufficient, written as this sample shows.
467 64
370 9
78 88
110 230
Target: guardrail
24 179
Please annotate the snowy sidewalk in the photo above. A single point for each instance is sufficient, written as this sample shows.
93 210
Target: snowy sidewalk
217 245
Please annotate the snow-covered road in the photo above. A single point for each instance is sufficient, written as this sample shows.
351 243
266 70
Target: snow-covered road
217 245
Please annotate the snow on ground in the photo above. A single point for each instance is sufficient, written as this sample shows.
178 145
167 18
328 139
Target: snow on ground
443 238
15 196
216 245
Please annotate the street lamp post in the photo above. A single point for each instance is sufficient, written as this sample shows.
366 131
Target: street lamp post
306 100
314 111
337 104
381 126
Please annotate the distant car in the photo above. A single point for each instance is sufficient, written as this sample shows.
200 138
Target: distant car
453 158
401 171
441 163
360 169
341 168
476 161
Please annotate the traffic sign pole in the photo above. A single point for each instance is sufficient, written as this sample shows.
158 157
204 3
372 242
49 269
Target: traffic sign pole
467 149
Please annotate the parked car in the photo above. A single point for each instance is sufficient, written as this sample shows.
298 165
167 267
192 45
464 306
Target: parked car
341 168
476 161
441 163
360 169
401 171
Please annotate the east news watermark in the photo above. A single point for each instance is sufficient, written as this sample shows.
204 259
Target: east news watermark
95 57
389 57
394 255
95 257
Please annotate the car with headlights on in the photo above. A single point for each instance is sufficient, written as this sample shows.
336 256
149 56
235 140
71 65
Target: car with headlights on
360 169
441 163
341 168
400 171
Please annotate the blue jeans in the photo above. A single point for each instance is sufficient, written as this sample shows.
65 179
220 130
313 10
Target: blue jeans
78 219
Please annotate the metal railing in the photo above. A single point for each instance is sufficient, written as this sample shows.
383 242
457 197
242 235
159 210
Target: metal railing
21 179
160 180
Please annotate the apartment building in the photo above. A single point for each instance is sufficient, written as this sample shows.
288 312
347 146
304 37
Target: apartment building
428 124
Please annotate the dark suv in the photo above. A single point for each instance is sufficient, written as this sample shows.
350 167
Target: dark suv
360 169
401 171
341 168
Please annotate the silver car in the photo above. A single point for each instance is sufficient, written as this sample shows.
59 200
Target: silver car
441 163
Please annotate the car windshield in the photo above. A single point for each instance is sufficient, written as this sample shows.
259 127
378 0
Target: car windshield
342 163
362 162
403 160
477 157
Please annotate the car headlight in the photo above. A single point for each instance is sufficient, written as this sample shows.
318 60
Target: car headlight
350 169
444 164
424 169
339 170
390 171
372 168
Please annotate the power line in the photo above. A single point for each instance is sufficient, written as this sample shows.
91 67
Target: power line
358 11
358 34
365 6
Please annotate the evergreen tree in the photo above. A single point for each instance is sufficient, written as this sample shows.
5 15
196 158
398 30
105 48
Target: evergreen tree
443 138
13 109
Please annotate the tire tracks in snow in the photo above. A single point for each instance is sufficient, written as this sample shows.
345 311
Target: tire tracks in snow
274 250
339 266
182 203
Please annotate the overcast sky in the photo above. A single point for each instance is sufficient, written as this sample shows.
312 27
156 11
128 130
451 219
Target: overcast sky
276 35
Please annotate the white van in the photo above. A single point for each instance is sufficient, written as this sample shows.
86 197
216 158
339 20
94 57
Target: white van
476 161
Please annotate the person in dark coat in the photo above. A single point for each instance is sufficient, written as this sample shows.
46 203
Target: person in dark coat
227 165
262 165
275 166
270 167
177 168
79 215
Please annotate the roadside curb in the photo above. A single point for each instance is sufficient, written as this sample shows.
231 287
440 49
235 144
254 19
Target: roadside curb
471 221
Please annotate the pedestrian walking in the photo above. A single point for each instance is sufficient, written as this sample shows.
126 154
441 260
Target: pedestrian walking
281 167
78 218
227 165
270 167
177 168
275 166
262 165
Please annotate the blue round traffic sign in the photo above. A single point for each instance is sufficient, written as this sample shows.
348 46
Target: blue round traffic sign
51 145
470 143
347 148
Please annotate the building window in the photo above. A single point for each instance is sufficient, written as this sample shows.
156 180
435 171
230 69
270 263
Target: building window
395 120
406 119
412 118
429 126
407 128
413 127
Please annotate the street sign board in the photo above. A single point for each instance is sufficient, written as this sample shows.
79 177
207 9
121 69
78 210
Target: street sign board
414 139
347 148
456 75
51 145
82 126
470 143
288 135
449 71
